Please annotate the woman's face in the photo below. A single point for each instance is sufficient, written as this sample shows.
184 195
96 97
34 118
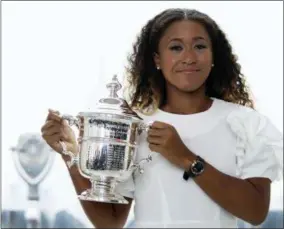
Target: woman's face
185 55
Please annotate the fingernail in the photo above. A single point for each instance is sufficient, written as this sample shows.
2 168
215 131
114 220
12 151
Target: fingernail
65 123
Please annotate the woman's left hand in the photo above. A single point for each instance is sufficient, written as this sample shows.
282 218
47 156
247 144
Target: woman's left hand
164 139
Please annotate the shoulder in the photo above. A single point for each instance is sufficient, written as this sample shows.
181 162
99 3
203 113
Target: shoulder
259 144
229 107
249 124
249 121
242 115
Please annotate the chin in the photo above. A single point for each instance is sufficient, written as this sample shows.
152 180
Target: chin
189 88
185 85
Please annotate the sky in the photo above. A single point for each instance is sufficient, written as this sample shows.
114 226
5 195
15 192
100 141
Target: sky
61 54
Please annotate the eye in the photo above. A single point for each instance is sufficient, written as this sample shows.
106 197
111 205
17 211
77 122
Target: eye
176 48
200 46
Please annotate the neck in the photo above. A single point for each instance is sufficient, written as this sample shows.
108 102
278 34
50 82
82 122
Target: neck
179 102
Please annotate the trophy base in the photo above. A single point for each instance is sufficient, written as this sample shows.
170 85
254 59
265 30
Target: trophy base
113 198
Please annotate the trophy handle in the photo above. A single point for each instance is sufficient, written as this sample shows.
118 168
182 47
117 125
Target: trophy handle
71 120
143 127
139 165
73 158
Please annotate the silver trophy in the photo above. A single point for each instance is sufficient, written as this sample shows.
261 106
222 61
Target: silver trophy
33 159
108 140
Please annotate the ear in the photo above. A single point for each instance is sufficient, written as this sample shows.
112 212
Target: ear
157 59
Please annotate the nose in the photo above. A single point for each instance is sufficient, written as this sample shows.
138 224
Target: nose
189 57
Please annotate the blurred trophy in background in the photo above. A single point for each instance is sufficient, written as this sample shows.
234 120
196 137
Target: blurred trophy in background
33 159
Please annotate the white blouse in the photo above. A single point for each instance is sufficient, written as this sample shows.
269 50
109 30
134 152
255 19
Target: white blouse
234 139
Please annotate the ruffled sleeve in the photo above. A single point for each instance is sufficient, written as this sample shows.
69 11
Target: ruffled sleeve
259 145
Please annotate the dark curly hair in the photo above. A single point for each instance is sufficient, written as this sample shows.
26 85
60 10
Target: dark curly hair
146 87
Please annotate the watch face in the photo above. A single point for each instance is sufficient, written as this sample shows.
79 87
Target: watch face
197 167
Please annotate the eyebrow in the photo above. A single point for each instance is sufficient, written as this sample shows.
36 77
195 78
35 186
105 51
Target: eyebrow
194 39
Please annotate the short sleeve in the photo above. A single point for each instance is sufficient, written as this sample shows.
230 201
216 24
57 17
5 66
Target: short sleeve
259 145
126 188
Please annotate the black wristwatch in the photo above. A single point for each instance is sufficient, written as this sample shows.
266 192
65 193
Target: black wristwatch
195 169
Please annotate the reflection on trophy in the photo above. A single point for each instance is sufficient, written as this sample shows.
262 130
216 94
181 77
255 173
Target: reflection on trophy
33 159
107 146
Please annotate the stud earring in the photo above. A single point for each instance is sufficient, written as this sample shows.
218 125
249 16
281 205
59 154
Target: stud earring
212 65
158 68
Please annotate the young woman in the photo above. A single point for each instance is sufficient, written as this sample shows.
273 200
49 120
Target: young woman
215 156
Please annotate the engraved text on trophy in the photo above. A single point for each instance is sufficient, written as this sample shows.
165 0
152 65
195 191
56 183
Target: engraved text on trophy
108 129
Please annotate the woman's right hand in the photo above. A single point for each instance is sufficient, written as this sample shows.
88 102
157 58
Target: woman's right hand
56 129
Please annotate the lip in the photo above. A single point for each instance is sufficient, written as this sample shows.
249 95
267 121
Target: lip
189 70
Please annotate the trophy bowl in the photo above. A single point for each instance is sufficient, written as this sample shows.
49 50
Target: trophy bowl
108 141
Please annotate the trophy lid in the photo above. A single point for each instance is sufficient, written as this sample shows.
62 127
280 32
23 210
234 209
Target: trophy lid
113 104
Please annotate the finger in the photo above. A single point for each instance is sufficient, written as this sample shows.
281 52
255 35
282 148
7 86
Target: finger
154 148
56 146
156 132
54 116
52 130
52 139
53 111
154 140
48 124
159 125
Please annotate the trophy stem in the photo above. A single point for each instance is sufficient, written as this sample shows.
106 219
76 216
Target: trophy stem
103 190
